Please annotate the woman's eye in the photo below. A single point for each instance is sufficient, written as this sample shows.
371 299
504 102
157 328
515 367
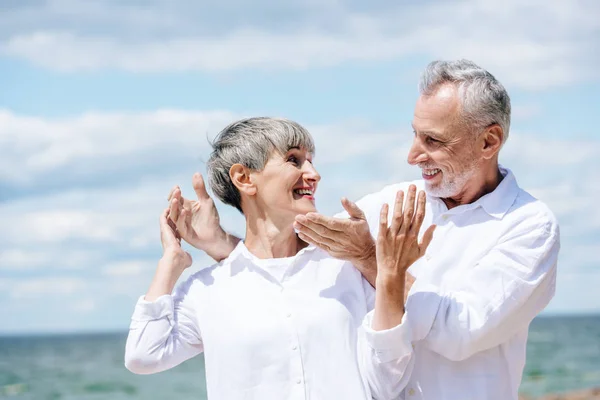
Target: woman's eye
293 159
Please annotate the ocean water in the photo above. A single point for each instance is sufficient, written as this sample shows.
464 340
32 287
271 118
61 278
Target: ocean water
563 354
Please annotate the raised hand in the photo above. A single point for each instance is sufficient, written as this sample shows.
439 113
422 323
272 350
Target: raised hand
178 258
397 248
344 238
198 221
397 245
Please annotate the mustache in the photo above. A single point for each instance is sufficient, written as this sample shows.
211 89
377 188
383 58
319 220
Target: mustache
428 166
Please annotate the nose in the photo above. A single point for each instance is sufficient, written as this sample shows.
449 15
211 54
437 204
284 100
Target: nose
310 172
416 154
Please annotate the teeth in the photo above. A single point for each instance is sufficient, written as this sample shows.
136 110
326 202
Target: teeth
431 172
304 191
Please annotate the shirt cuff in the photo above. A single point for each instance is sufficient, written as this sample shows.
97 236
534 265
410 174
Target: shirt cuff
388 344
160 308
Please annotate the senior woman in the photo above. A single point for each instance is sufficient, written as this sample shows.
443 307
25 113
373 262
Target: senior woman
276 319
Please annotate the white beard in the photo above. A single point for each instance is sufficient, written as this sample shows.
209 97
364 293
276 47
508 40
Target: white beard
450 185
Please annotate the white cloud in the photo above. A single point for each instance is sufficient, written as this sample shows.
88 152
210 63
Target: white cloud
127 268
40 146
532 45
40 288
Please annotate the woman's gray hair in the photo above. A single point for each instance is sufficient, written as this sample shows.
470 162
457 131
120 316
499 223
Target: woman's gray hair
250 142
484 100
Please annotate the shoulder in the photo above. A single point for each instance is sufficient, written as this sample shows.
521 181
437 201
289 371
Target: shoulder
530 211
204 277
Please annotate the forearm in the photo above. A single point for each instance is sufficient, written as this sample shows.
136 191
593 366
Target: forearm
221 249
389 301
164 280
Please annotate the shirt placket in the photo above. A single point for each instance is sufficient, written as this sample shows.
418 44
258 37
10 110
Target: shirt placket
297 375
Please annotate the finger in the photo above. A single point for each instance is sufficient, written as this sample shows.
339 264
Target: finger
353 210
427 237
174 210
321 230
334 224
171 192
397 217
383 220
310 240
419 215
317 239
199 186
167 233
182 222
409 209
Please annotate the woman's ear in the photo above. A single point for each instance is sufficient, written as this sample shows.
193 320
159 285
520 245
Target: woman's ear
241 178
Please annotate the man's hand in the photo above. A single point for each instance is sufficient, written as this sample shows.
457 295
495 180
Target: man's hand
346 239
397 245
397 248
198 221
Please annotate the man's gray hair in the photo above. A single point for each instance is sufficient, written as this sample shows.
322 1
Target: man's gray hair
484 100
250 142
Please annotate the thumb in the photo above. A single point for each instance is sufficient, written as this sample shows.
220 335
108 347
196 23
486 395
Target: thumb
352 209
427 237
199 186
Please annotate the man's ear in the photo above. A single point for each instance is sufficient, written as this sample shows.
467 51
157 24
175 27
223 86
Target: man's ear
492 141
240 176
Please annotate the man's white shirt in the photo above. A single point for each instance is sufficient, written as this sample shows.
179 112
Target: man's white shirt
490 269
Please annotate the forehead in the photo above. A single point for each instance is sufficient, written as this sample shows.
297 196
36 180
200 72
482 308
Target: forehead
437 110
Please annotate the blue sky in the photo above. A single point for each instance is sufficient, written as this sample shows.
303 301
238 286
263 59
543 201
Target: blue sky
105 105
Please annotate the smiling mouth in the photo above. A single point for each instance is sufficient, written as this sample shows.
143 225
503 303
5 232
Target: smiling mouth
431 172
304 193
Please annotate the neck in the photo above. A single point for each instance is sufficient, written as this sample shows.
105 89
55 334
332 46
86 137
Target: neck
266 238
477 187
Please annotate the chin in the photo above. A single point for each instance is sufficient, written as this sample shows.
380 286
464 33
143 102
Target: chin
305 210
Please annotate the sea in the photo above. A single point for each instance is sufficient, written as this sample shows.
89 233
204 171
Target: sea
563 354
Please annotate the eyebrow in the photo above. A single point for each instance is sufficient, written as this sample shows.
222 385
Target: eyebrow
433 134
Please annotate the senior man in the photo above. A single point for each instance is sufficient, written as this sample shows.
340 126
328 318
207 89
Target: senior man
490 269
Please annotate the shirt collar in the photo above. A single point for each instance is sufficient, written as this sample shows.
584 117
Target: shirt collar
496 203
241 254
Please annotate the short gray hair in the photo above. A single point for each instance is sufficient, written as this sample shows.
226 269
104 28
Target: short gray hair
250 142
484 100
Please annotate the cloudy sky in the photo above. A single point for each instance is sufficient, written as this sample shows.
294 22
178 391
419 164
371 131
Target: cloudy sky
105 105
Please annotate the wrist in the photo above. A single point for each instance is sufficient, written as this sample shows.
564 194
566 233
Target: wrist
391 282
222 246
172 260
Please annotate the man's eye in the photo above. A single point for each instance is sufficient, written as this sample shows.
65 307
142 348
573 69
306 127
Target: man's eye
432 140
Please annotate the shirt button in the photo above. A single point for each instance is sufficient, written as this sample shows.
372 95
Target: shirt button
299 381
445 218
411 392
294 347
289 315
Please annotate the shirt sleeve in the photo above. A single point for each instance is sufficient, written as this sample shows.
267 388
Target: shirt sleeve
495 299
163 333
385 358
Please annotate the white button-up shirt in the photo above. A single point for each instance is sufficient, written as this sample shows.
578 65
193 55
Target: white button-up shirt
490 269
269 329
